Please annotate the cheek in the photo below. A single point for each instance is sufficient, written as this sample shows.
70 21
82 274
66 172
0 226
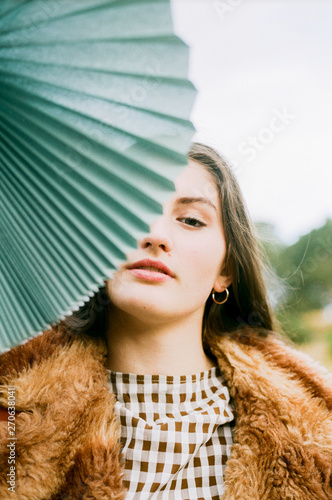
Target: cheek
204 261
115 288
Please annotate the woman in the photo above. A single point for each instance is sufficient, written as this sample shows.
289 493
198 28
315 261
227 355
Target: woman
175 364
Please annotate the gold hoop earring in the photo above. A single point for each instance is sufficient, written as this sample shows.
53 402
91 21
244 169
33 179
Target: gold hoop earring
223 301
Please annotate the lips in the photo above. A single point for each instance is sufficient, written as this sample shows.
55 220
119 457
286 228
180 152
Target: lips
150 269
151 265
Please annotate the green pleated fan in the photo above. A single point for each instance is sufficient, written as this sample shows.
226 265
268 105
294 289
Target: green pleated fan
94 128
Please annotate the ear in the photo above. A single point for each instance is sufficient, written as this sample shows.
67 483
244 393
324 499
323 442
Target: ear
222 282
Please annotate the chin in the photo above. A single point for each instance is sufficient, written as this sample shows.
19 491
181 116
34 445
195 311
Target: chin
143 307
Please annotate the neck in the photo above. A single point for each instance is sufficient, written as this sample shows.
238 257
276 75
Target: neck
168 348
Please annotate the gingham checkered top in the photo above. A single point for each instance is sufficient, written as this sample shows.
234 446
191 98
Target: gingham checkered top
175 432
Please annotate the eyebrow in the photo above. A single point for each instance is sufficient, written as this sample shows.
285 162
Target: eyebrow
186 200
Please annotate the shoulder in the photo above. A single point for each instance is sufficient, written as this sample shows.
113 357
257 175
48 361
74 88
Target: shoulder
54 359
31 353
272 360
283 413
66 428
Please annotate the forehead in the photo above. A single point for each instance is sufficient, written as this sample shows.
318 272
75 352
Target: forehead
195 180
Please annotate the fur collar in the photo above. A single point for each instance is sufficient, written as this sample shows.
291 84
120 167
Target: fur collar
67 435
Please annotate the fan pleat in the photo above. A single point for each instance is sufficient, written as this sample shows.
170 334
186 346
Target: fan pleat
120 22
89 255
142 124
37 12
76 201
114 183
29 213
83 275
83 193
52 258
148 58
147 159
12 317
7 7
94 128
42 285
113 88
29 291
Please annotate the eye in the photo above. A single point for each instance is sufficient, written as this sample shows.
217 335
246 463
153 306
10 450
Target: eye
191 221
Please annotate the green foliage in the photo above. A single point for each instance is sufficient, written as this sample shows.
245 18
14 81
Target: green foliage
329 342
295 326
305 268
304 279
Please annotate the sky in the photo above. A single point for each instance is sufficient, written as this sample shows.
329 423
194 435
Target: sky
263 71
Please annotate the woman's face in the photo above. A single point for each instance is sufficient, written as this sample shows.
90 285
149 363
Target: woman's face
189 240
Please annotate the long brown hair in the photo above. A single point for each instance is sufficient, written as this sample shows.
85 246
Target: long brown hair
247 305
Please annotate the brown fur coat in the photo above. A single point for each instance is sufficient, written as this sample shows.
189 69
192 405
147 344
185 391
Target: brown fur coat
67 435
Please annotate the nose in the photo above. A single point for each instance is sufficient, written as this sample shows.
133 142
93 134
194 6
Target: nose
158 237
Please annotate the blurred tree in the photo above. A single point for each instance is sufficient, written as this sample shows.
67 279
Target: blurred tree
304 277
306 267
